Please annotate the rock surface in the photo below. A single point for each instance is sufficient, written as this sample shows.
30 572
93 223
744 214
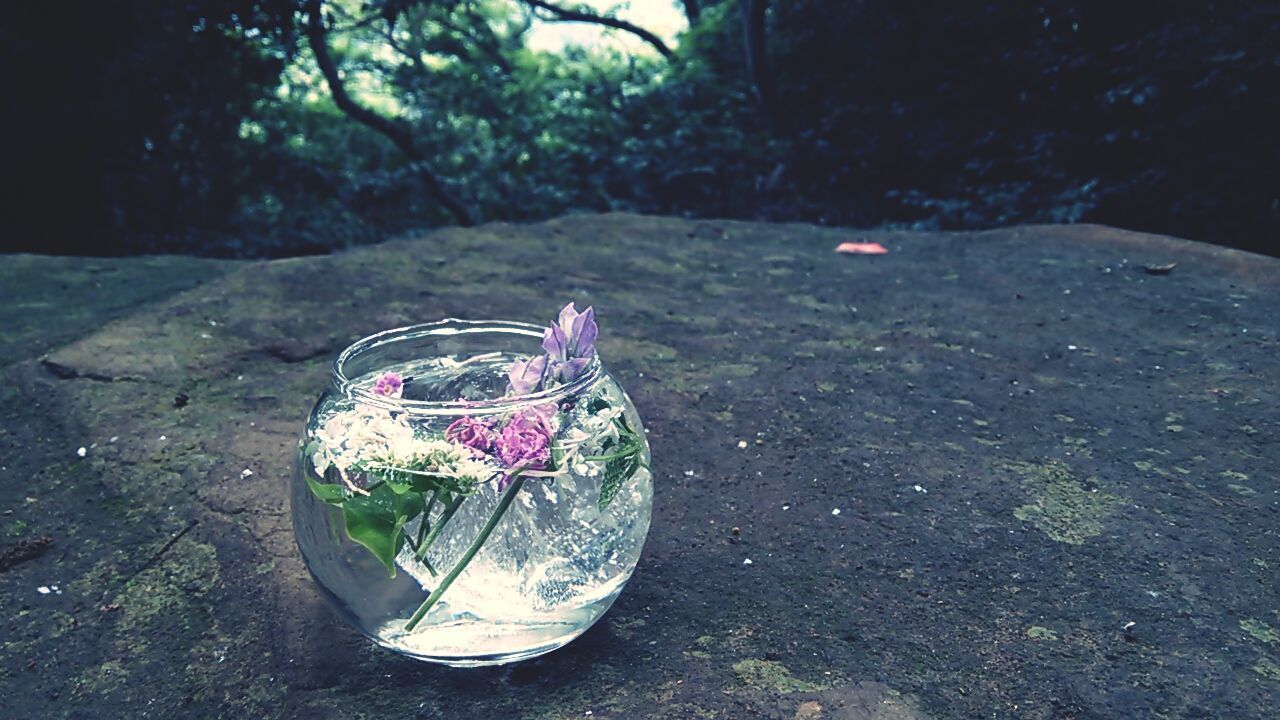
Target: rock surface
1056 476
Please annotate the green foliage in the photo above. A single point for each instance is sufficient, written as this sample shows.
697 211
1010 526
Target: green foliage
218 134
377 520
616 472
622 459
331 493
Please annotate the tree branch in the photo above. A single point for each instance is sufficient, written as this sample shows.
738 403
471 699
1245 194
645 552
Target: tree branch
568 15
486 40
394 131
692 11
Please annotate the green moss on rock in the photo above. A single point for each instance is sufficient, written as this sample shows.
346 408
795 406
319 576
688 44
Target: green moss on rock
771 675
104 679
1062 507
1267 668
1035 632
1260 631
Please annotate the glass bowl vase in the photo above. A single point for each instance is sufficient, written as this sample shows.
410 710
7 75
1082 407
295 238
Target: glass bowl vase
451 519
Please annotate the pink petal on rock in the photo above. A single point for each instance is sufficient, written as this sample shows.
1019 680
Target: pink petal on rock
855 248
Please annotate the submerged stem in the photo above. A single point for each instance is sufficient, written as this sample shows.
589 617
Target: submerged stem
458 567
450 507
423 528
425 525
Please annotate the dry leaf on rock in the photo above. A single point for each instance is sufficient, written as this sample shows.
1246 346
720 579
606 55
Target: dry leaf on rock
861 248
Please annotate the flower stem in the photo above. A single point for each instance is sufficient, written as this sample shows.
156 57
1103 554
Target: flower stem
423 528
425 525
481 537
450 507
628 450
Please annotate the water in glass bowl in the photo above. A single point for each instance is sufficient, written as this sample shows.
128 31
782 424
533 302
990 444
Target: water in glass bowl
552 567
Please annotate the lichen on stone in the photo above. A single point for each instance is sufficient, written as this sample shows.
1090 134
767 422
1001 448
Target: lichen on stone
1035 632
1062 507
1260 631
771 675
1267 668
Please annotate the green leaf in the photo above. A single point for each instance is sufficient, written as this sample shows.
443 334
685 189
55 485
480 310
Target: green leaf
557 457
377 521
617 471
618 451
328 492
628 442
621 458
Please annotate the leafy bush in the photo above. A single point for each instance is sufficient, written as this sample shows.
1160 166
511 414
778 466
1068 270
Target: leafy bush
221 136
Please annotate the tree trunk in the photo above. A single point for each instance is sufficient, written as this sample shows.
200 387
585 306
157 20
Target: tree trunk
753 23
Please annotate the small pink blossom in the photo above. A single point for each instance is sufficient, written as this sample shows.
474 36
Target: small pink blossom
524 442
544 414
475 434
389 385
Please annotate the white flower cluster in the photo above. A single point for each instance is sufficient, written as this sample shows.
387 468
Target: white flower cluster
365 438
444 457
350 438
588 438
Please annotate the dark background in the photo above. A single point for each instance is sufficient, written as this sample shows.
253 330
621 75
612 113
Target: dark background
208 127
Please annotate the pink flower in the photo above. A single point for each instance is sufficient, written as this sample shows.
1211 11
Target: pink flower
525 441
475 434
389 385
544 414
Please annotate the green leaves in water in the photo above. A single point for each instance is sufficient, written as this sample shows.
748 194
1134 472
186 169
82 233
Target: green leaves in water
376 520
398 494
404 480
616 472
557 457
622 459
331 493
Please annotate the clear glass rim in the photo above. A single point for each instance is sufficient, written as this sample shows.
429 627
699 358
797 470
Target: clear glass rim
445 328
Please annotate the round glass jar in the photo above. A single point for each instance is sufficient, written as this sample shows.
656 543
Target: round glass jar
452 520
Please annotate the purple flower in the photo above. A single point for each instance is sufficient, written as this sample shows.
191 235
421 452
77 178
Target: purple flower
570 369
525 376
475 434
555 342
524 442
581 329
570 343
389 385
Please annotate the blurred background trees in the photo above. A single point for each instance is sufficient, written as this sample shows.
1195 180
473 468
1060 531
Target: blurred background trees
280 127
